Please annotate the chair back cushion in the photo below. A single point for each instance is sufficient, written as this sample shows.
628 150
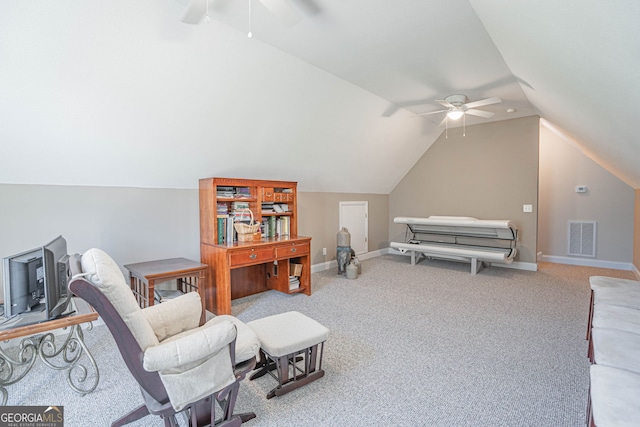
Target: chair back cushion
103 272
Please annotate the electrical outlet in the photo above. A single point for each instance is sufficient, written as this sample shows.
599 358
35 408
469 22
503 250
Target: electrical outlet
527 208
324 251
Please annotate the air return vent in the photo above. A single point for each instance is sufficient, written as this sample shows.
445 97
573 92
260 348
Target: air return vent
582 238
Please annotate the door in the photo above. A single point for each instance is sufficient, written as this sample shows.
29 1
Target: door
355 217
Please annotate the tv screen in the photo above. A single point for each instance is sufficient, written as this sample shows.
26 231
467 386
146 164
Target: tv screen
35 282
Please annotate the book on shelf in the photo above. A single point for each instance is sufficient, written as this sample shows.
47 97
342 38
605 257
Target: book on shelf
242 193
230 234
224 191
222 208
272 226
222 227
264 228
294 283
285 222
281 207
239 206
241 216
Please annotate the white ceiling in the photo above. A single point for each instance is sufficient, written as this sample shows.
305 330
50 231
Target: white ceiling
136 98
573 62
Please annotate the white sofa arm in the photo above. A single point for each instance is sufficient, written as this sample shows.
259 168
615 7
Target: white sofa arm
174 316
176 355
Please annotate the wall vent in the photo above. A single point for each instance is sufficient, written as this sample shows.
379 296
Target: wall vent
582 238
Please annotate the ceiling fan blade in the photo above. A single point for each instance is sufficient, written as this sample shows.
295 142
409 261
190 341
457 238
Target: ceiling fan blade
445 103
479 113
283 11
480 103
432 112
195 11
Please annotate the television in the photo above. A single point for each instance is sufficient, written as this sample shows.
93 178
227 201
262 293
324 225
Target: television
35 283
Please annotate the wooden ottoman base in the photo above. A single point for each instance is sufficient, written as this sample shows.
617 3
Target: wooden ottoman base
292 345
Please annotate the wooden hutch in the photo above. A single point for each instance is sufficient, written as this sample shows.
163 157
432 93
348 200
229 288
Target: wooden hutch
241 268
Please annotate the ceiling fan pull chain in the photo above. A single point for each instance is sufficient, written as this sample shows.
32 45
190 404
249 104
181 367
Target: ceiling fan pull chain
446 127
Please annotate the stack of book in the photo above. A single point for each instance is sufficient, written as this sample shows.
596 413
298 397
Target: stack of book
222 209
267 207
242 193
224 192
294 282
239 206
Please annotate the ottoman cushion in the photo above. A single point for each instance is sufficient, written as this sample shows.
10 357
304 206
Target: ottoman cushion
287 333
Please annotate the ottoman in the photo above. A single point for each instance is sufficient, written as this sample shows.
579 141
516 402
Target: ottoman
287 341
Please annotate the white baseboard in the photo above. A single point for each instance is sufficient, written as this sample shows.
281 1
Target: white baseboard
585 262
334 264
517 265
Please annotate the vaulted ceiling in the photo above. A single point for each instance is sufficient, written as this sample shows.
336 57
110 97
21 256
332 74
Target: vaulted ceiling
123 93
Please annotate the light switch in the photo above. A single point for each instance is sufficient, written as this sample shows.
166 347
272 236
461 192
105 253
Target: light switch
527 208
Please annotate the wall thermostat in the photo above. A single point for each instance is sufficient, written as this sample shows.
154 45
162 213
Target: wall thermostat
581 188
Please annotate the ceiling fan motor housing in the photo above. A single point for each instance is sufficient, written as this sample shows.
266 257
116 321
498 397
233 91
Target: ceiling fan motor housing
456 100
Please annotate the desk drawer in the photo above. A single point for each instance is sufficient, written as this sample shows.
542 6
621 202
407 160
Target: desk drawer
292 250
251 256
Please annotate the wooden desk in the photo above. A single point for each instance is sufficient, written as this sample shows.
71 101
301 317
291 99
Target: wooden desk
144 275
246 268
40 341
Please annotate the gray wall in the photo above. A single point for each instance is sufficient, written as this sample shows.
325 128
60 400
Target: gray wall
141 224
488 174
131 224
319 217
609 201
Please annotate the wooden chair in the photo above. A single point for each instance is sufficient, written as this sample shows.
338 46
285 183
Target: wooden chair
200 412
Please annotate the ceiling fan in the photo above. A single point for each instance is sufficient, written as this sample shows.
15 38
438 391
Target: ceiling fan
457 106
197 10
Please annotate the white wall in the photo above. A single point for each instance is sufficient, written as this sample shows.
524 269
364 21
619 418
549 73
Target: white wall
609 201
120 93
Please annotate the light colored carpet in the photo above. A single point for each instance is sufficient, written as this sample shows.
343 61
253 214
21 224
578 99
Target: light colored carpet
424 345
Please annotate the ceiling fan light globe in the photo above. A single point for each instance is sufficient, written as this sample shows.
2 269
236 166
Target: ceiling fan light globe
455 115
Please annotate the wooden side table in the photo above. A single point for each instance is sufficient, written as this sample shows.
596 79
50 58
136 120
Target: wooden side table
190 276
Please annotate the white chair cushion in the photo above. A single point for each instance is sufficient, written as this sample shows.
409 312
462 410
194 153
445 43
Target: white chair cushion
287 333
175 315
175 354
614 397
247 342
103 272
193 364
617 349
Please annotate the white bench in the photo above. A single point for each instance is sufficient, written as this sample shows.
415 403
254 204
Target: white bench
479 242
614 350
